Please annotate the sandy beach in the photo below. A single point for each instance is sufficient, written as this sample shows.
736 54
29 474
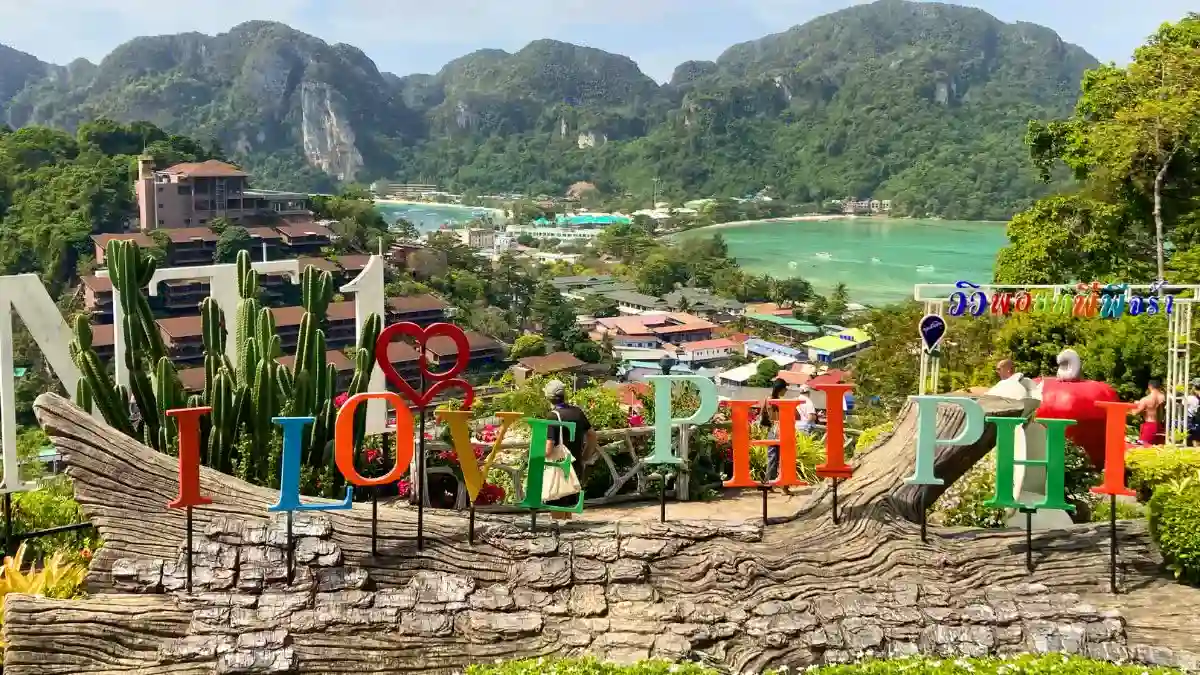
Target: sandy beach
787 219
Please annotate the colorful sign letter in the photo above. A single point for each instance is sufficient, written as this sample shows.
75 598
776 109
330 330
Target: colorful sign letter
343 439
1115 413
1055 464
473 475
188 420
289 470
436 381
927 440
740 432
664 452
835 432
534 478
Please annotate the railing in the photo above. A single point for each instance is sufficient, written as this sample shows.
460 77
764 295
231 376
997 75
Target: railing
613 444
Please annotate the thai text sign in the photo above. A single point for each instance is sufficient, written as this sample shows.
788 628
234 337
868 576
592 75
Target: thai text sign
1109 301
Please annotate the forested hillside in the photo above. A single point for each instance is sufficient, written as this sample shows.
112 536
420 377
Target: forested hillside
923 103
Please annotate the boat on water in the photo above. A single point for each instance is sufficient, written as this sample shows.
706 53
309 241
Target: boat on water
875 260
823 255
925 269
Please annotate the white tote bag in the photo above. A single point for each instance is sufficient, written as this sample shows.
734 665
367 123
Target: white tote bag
554 484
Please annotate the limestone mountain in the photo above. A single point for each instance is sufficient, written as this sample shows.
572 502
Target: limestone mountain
283 100
923 103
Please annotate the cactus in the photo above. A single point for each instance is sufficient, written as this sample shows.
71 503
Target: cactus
245 392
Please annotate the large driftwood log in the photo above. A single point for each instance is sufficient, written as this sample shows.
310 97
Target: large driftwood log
796 592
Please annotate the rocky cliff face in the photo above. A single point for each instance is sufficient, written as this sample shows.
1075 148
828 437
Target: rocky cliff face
299 112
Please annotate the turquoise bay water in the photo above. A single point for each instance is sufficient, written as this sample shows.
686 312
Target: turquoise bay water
879 259
430 216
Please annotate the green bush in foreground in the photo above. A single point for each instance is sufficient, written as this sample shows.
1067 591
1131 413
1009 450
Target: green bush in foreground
1048 664
1151 467
1175 526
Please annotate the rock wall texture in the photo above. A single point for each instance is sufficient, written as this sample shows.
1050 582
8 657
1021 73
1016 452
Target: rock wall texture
742 595
586 592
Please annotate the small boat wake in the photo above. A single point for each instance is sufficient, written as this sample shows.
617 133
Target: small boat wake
926 269
792 265
823 255
876 260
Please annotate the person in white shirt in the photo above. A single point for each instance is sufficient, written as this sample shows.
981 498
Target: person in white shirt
1193 415
806 415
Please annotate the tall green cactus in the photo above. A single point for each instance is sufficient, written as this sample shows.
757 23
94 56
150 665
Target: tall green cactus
144 353
244 393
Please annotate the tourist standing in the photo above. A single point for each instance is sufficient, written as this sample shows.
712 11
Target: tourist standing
585 436
1150 408
770 419
1193 415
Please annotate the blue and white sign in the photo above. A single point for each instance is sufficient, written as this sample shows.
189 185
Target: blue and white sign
933 329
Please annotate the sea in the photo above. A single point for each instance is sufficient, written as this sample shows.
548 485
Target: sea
879 259
428 217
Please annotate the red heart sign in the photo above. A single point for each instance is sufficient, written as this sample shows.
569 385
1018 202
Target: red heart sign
440 381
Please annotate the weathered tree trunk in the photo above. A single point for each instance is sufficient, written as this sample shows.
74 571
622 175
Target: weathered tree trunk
800 591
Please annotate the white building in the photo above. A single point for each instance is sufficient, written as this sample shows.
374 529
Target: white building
479 238
560 233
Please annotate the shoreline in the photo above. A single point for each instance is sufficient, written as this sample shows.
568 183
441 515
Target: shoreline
782 219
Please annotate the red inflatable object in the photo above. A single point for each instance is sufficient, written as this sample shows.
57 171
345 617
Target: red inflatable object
1076 400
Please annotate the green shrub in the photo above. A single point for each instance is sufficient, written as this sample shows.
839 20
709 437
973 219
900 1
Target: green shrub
1047 664
1150 467
1175 526
868 437
1125 511
961 505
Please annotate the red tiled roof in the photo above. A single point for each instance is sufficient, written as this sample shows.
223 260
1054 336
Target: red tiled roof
551 363
402 352
287 316
320 263
305 230
98 284
192 379
683 328
340 311
716 343
184 235
444 346
335 356
415 303
207 169
353 263
263 233
793 377
182 327
629 393
103 335
830 377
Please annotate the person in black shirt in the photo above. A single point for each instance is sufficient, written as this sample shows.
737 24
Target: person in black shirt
584 436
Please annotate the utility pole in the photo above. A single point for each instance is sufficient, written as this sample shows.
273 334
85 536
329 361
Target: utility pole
654 204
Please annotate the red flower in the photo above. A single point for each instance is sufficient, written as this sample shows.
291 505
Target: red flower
373 455
340 400
404 487
86 553
489 494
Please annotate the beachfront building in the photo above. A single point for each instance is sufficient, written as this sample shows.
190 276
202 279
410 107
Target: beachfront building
785 326
478 238
756 347
706 351
194 193
838 347
653 331
551 232
703 302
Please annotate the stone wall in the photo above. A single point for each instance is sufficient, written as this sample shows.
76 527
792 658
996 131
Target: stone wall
590 592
